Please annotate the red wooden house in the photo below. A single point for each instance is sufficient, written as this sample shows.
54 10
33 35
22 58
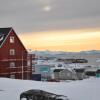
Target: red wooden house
13 56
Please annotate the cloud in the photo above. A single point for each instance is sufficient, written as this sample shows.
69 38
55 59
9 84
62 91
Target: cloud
31 15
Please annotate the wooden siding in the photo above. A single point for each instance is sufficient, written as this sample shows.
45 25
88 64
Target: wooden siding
20 58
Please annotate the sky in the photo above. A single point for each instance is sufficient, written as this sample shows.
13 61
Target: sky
57 25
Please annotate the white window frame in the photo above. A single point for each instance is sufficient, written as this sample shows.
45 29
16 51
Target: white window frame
12 65
12 76
28 63
12 51
11 39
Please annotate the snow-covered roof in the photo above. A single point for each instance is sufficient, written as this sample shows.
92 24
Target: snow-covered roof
3 34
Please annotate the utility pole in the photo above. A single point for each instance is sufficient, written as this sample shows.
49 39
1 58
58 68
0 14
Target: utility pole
22 66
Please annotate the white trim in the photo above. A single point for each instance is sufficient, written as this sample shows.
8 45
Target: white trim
12 76
18 72
12 59
12 39
12 64
12 52
14 72
6 37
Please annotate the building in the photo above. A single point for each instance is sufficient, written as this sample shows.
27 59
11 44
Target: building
91 71
98 73
80 72
13 56
43 70
64 74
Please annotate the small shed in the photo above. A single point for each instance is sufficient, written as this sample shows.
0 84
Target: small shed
65 74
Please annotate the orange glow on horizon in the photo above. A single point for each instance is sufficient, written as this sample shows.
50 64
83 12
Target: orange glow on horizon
65 40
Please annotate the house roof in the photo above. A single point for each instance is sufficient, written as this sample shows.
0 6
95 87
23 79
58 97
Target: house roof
98 71
3 34
80 70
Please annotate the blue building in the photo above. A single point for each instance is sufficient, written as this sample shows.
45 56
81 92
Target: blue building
43 70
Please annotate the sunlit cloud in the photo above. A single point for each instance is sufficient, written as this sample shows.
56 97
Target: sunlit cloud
62 40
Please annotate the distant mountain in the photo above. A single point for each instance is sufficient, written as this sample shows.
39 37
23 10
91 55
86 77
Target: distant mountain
91 52
53 53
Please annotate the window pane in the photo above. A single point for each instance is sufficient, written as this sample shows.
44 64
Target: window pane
12 64
12 76
12 52
11 39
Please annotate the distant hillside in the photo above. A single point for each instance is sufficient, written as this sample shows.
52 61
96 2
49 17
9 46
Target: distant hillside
93 56
91 52
63 53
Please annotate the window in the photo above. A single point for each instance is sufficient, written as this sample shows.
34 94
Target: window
12 52
12 64
11 39
12 76
28 63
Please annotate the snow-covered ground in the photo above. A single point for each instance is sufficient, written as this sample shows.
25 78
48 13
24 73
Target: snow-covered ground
87 89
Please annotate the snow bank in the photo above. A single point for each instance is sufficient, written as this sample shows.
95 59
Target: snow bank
88 89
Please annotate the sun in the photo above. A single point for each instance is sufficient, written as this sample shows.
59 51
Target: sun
47 8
